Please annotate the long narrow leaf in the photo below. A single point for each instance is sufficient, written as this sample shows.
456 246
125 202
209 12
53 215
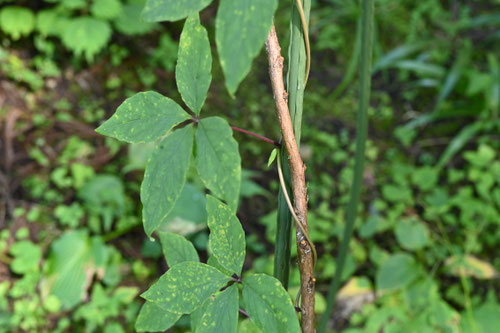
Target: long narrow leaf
362 129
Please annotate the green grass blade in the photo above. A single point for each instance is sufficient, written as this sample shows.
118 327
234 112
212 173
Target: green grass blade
295 86
362 129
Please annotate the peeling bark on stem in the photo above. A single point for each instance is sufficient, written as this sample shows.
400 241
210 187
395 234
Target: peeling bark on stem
297 168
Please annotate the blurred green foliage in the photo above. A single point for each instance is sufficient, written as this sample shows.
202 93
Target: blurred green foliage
424 254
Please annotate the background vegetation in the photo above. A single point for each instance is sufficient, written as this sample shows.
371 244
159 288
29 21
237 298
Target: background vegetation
73 256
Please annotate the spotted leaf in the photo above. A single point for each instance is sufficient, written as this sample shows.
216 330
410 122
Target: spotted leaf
153 318
220 312
194 64
185 286
269 305
241 30
218 160
165 177
227 238
172 10
144 117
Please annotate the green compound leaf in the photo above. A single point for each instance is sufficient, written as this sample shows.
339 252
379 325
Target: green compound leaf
86 35
172 10
144 117
227 238
184 287
220 312
241 30
153 318
269 305
194 64
398 271
217 159
165 177
177 249
17 21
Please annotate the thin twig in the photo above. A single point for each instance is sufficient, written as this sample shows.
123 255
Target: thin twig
290 206
258 136
243 312
297 169
305 31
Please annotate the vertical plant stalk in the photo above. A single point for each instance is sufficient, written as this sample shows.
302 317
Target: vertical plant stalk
297 170
362 129
297 67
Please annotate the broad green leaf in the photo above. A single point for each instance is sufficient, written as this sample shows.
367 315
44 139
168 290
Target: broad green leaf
212 261
172 10
26 255
220 312
74 259
217 159
248 326
197 315
227 238
189 214
269 305
396 272
425 178
106 9
241 30
184 287
165 177
485 317
144 117
17 21
412 234
86 35
129 22
50 22
177 249
194 64
153 318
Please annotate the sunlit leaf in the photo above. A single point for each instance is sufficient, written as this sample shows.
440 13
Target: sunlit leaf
17 21
86 36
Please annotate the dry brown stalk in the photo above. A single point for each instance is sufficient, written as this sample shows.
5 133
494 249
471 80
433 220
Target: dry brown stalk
297 168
